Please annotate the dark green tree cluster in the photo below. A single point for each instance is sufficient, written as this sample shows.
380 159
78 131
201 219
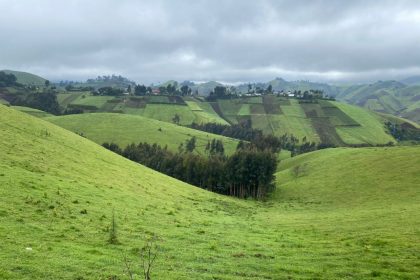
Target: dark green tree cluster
215 148
255 139
242 131
219 92
186 90
7 80
45 101
247 173
403 132
174 90
142 90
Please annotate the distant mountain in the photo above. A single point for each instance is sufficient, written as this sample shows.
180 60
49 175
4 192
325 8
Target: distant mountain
392 97
415 80
26 78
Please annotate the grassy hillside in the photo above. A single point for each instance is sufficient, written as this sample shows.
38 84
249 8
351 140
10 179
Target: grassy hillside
370 130
390 97
26 78
125 129
32 111
59 190
162 108
325 121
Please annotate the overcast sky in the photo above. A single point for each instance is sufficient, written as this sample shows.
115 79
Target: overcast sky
154 41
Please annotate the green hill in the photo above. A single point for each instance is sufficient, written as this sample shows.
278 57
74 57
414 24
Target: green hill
327 121
414 80
390 97
159 107
59 191
27 78
126 129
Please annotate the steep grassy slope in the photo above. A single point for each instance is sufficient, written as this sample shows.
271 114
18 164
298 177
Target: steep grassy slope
348 214
125 129
26 78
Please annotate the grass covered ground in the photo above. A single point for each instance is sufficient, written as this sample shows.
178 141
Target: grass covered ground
371 129
32 111
125 129
26 78
344 214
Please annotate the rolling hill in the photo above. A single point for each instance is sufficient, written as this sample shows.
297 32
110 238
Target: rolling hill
125 129
59 191
27 78
392 97
414 80
327 121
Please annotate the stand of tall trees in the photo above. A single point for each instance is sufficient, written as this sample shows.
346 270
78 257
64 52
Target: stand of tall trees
7 80
45 100
247 173
403 132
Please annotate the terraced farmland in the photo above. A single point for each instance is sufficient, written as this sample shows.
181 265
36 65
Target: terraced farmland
323 121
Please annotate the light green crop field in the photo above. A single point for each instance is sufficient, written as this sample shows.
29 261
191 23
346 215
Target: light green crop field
193 106
64 99
206 115
245 110
125 129
299 127
58 192
165 112
32 111
89 100
371 129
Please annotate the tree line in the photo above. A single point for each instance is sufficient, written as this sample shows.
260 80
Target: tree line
403 132
7 80
249 172
255 138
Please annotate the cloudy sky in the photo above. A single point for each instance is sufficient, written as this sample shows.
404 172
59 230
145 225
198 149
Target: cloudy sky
224 40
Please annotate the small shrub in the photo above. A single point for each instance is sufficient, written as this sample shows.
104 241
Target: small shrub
113 231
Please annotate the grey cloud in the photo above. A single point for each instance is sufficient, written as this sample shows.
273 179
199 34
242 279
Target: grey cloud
152 41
